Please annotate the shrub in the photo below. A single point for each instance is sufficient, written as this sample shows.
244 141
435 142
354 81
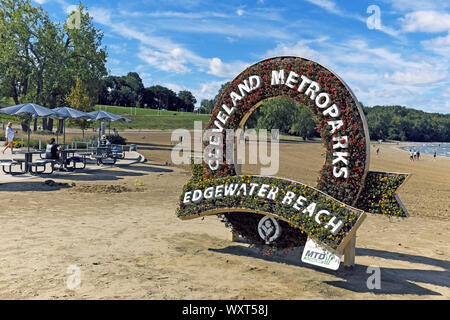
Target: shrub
116 139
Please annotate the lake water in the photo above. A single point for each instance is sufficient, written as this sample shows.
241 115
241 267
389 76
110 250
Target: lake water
442 149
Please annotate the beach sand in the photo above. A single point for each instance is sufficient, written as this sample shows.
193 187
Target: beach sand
118 226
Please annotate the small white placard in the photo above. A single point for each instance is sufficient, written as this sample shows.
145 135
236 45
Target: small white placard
317 255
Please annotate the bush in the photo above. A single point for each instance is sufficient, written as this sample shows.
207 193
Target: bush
116 139
34 144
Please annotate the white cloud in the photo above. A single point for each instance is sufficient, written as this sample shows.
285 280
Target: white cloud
71 8
443 107
446 92
331 7
376 74
415 78
173 86
240 12
300 49
207 90
174 14
328 5
416 5
172 61
439 45
426 21
244 29
229 70
113 61
163 54
100 15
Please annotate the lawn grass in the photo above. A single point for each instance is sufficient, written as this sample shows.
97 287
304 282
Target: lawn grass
154 119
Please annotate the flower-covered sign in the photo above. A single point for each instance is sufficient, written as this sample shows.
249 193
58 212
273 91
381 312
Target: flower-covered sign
333 210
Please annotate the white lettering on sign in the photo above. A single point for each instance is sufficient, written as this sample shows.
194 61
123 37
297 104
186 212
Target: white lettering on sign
265 191
309 88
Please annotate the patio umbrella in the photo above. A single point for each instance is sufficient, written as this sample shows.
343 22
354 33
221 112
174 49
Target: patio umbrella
63 113
31 109
100 115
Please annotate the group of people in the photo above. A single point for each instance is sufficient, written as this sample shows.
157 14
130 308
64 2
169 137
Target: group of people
52 149
414 155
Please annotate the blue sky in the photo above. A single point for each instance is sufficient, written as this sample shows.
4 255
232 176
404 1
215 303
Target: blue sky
197 45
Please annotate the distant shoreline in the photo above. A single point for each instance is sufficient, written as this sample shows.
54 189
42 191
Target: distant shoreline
442 149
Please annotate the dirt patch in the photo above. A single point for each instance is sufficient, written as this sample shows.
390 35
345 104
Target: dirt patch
106 188
52 183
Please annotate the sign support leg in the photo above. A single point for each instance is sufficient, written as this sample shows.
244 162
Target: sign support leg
349 252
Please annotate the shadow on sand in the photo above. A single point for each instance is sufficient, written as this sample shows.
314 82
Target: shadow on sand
393 280
99 174
31 186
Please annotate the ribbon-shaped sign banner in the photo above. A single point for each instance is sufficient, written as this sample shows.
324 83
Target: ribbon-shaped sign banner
320 216
315 213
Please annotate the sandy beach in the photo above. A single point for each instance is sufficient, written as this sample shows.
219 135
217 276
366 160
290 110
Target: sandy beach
118 226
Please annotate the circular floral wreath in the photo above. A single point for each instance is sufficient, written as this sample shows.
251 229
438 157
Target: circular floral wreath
354 125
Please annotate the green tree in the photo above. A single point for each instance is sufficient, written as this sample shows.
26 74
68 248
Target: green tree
40 60
79 99
303 124
164 98
206 106
277 114
188 100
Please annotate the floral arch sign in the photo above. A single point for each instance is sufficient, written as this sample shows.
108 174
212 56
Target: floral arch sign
331 212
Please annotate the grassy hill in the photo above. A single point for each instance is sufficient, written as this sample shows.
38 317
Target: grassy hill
154 119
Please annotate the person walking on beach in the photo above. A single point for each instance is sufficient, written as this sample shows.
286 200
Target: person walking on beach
411 155
434 155
418 155
378 151
9 135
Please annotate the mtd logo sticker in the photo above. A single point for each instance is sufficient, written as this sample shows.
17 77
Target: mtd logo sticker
317 255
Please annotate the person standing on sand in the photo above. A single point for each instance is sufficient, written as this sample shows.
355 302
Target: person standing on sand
418 155
434 155
411 155
9 135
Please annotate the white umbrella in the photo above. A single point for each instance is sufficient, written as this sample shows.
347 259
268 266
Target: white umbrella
69 113
100 115
34 110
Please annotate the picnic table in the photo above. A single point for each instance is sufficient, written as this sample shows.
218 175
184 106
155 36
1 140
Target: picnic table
110 153
73 156
67 162
28 159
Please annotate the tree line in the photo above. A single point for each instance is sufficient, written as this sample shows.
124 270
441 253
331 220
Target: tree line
129 91
406 124
384 122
